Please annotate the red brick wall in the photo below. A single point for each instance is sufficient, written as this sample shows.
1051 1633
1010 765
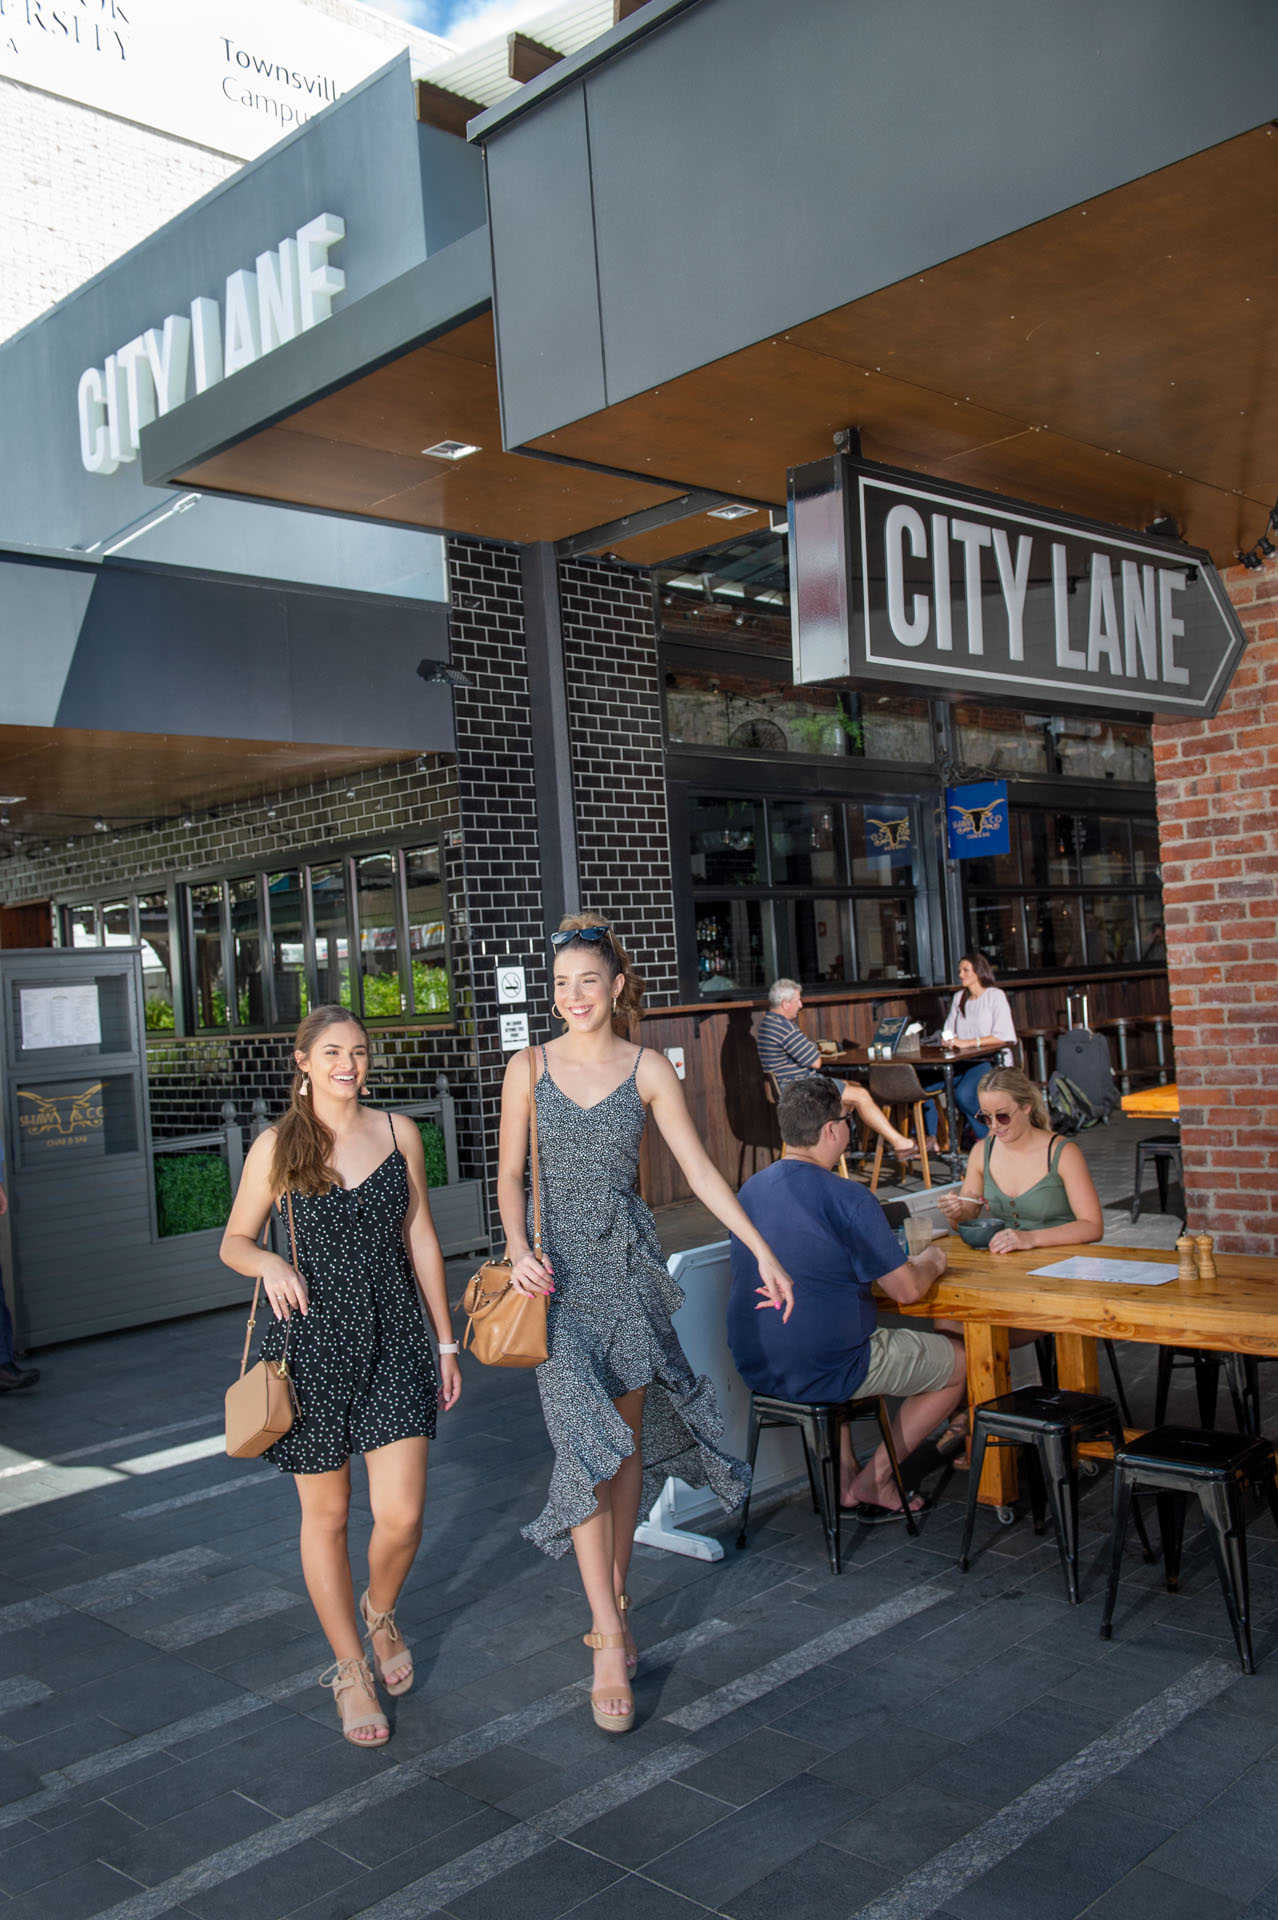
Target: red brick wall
1219 830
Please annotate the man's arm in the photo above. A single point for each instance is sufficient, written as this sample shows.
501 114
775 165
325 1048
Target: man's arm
916 1278
804 1052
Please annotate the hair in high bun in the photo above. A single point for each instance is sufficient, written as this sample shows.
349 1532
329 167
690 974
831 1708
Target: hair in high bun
615 959
300 1163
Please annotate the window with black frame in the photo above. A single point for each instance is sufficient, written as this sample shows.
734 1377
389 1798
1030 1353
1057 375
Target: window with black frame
821 890
1078 887
260 948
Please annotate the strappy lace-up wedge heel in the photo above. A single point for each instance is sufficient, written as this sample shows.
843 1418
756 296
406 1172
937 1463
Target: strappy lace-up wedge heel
347 1676
401 1660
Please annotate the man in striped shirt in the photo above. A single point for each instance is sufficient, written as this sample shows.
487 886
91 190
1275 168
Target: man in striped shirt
786 1053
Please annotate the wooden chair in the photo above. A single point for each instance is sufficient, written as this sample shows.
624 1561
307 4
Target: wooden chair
900 1093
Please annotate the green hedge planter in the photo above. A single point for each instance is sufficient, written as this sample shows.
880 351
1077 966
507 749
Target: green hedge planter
192 1192
436 1162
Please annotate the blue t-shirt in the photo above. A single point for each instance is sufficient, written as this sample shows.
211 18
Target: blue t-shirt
833 1239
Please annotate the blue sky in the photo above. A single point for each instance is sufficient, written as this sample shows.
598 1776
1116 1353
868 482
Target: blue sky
465 22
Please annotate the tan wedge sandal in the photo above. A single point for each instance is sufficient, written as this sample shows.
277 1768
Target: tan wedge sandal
632 1651
610 1722
385 1623
343 1677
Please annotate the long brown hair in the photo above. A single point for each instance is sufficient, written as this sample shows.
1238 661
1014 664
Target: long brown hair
1019 1087
981 968
615 959
303 1143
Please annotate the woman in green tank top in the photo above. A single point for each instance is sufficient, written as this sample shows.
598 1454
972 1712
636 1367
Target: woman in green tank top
1026 1176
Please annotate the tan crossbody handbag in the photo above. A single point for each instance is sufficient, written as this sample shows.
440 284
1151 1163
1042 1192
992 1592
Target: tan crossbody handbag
261 1405
507 1328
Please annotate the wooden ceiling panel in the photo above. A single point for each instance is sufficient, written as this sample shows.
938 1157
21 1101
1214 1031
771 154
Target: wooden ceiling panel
70 776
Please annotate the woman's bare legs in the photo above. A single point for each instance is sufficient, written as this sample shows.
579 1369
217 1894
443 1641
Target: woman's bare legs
601 1544
325 1499
627 1491
397 1494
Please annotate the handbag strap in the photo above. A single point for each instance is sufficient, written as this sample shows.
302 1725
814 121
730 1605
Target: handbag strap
257 1288
532 1132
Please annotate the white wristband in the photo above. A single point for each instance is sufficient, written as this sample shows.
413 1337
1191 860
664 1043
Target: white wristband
449 1346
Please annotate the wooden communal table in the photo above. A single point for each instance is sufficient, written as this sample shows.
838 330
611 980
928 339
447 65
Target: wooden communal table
947 1060
989 1292
1154 1103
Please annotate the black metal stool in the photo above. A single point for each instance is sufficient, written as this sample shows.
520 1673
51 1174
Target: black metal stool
1241 1375
1164 1150
1048 1423
1215 1468
819 1422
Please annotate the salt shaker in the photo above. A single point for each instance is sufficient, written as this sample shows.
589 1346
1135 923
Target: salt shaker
1205 1250
1186 1255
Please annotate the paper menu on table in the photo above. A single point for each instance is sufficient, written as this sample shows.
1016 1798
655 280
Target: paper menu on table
1130 1273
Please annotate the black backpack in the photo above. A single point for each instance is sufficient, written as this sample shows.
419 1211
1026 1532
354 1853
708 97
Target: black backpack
1068 1106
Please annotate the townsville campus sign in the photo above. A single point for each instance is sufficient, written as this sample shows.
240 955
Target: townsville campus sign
896 576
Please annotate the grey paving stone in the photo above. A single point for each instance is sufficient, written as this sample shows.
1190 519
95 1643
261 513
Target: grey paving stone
1264 1905
278 1746
99 1831
317 1775
357 1895
905 1828
1190 1766
1023 1748
1060 1871
742 1771
63 1745
823 1880
652 1824
1230 1847
278 1886
378 1834
885 1753
150 1693
498 1777
75 1895
637 1899
1146 1894
754 1841
153 1854
554 1881
986 1695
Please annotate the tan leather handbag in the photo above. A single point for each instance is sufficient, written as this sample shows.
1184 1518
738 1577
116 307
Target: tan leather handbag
261 1405
507 1328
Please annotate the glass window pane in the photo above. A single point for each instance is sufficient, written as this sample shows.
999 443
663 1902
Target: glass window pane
384 997
763 715
117 924
730 947
1110 922
994 929
1103 846
246 934
725 837
895 728
884 939
82 924
288 948
1047 848
1055 935
881 844
332 935
805 843
819 946
1093 749
1153 937
1004 741
999 869
1147 859
210 961
157 961
426 930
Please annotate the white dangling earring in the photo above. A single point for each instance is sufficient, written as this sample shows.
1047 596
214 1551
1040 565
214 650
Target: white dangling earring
305 1087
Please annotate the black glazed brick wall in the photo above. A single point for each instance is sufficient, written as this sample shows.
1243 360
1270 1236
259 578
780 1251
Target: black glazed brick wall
619 781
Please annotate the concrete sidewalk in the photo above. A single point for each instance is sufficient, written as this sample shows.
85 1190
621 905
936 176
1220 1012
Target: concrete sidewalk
902 1741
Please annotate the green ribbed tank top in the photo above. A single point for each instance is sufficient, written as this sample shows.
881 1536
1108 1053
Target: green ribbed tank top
1045 1204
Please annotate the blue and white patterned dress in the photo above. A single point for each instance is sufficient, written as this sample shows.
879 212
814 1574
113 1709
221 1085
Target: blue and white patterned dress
609 1320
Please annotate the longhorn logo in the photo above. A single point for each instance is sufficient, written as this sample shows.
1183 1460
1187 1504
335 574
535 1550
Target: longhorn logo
61 1113
977 823
889 835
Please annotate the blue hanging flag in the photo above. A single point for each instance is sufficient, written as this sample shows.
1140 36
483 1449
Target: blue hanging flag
977 820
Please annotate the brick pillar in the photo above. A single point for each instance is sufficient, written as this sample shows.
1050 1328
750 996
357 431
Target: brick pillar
497 801
1219 832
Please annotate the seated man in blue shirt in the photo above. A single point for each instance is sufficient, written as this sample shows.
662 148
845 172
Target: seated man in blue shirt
787 1054
833 1238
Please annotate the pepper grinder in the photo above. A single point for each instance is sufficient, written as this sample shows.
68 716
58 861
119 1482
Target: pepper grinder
1205 1250
1186 1255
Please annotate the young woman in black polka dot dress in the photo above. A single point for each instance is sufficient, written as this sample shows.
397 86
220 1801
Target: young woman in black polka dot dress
622 1405
358 1351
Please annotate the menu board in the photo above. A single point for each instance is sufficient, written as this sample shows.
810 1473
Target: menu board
59 1017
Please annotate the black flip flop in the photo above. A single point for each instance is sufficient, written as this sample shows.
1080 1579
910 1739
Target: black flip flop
868 1514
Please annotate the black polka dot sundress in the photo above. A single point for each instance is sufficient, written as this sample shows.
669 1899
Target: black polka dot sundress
360 1358
609 1320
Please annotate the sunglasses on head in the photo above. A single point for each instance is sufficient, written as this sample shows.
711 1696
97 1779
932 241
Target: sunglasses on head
1000 1119
590 936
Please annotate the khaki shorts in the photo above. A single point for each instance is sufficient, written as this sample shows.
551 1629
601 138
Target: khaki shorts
904 1361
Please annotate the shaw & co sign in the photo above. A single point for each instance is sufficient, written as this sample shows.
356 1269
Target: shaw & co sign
894 576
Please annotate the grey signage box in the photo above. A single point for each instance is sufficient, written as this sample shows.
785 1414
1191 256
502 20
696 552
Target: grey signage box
78 1165
895 576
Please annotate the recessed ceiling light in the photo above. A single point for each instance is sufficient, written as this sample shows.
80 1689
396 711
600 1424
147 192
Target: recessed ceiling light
734 511
451 450
11 799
